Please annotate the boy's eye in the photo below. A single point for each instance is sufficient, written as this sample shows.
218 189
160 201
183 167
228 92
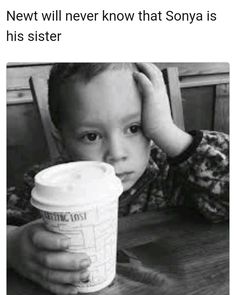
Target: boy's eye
90 137
134 129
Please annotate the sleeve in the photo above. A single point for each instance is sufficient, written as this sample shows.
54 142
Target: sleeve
19 209
199 177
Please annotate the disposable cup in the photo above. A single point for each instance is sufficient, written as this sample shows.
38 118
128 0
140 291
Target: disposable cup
80 200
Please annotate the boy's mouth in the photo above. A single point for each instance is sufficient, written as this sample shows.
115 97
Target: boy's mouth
124 176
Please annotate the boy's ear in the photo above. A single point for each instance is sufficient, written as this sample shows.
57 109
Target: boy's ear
59 143
152 144
138 85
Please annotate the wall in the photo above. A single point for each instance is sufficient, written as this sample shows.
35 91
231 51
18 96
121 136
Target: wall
204 88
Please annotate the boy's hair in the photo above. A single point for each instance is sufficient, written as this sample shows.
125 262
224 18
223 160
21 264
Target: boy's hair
62 72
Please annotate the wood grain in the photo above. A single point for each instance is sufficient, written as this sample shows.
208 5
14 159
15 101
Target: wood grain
221 114
19 96
204 80
171 77
198 105
25 141
40 96
18 74
180 253
18 77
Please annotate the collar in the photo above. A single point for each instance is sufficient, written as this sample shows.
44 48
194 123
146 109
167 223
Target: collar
147 177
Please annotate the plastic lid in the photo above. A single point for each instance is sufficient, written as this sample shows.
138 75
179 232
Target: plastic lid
73 185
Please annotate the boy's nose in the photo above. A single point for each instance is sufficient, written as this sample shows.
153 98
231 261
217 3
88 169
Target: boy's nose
116 150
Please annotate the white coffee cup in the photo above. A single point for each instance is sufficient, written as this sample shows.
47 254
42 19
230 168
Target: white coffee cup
80 200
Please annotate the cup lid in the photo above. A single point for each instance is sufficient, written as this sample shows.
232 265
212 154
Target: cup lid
76 184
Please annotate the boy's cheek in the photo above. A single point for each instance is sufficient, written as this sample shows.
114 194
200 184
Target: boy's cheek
143 133
83 154
73 152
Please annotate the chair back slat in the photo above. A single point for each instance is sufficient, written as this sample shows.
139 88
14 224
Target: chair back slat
171 77
39 91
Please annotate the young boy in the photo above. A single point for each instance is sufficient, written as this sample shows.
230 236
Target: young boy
119 114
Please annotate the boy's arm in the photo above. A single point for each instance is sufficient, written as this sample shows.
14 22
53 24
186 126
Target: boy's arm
19 209
172 140
199 177
197 169
157 122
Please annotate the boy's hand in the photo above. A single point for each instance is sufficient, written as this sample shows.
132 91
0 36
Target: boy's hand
156 109
40 255
157 122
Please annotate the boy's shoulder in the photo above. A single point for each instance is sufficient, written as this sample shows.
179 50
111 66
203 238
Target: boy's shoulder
204 142
21 193
19 209
33 170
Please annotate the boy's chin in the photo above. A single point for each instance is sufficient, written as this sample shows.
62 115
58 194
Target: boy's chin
130 181
127 185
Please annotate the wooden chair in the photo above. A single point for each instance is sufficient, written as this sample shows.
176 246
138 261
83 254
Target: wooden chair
39 91
171 77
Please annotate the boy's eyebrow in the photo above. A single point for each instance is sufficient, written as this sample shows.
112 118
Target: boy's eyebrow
129 117
132 116
91 124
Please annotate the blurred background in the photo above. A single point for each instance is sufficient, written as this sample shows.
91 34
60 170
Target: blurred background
204 90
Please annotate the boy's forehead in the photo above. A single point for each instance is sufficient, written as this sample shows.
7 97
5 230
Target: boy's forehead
111 93
110 82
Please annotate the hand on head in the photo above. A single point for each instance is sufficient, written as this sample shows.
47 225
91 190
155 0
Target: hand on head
157 122
156 113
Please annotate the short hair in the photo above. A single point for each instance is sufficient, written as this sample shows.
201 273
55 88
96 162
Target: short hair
62 72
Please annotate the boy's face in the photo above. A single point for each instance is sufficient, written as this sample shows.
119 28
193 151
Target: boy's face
102 122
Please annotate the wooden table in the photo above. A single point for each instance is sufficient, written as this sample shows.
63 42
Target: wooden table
189 256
